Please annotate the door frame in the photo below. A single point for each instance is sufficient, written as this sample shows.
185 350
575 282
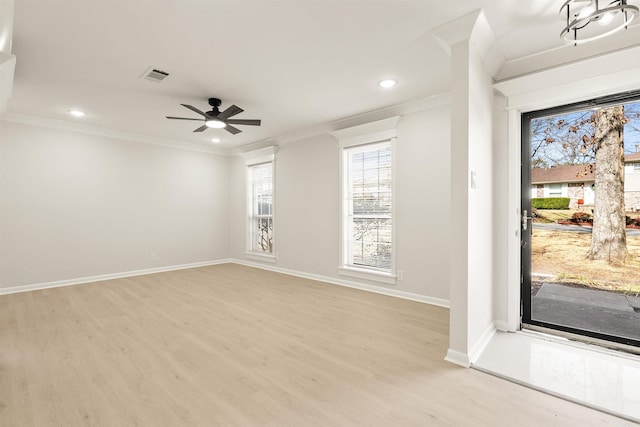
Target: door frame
525 207
543 87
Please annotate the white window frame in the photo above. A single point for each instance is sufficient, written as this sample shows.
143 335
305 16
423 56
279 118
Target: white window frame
382 131
253 159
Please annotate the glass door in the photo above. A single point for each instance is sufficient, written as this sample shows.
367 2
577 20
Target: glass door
581 219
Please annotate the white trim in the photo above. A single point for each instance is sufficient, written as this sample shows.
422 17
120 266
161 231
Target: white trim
513 222
253 159
329 280
361 273
423 104
458 358
501 325
615 72
482 343
108 133
262 155
102 277
349 284
260 257
367 136
607 74
473 27
381 130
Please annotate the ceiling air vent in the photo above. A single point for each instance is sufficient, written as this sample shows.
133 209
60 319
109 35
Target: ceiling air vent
155 75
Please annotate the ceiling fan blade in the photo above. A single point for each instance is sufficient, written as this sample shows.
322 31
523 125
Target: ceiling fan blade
248 122
195 110
231 111
201 128
182 118
231 129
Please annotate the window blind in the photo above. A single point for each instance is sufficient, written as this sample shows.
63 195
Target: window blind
369 194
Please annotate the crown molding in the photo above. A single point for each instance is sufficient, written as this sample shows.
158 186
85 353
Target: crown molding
30 120
410 107
474 28
615 72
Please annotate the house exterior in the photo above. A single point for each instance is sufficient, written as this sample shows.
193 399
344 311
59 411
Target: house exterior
577 183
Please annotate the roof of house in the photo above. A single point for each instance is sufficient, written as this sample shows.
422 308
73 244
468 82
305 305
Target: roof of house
572 173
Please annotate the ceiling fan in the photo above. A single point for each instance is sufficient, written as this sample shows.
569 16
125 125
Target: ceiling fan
219 120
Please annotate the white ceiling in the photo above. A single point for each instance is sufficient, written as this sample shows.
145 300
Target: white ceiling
295 64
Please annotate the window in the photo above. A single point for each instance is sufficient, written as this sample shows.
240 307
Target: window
367 225
368 213
261 209
260 206
555 190
636 168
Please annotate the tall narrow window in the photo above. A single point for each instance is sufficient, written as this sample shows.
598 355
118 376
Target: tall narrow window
367 224
261 210
368 218
260 203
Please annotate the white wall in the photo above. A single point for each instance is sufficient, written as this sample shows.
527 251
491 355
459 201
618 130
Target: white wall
75 205
480 220
501 211
307 205
472 186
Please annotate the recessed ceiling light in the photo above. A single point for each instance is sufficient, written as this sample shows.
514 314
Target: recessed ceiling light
215 140
76 113
387 83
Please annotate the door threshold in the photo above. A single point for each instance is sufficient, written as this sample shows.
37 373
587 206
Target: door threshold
587 342
589 375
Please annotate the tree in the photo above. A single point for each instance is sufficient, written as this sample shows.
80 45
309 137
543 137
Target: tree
562 140
608 238
596 140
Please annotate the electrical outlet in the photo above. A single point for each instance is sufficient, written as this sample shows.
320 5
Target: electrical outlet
400 275
153 257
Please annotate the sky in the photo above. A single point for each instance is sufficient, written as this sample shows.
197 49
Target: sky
552 142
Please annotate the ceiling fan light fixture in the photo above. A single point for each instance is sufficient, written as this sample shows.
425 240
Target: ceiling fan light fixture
611 15
606 19
215 123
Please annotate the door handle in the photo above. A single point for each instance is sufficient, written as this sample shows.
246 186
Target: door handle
525 220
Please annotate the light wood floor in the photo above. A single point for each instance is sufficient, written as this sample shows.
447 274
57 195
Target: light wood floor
230 345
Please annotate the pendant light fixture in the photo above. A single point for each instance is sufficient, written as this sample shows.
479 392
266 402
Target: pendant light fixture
589 20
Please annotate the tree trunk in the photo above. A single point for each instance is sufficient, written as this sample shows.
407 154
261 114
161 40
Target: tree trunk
609 238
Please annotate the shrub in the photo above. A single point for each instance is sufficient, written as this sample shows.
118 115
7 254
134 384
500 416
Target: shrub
581 217
550 203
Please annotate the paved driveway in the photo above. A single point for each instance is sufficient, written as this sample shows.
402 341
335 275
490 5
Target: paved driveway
588 309
576 228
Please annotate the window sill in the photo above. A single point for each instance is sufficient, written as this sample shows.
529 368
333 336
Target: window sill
260 257
362 273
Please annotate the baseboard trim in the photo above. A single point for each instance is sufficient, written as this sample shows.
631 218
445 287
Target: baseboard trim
326 279
458 358
81 280
467 360
349 284
502 326
482 343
